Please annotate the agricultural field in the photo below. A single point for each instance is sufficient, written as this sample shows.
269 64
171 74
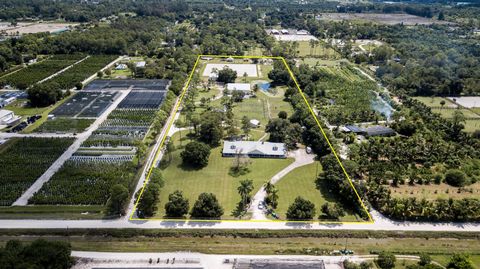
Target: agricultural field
214 178
18 155
65 125
348 97
82 71
39 71
84 183
85 104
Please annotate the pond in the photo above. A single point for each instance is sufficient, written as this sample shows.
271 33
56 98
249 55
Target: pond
264 86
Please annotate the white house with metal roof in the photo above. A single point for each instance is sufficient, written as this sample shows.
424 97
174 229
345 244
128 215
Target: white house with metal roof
254 149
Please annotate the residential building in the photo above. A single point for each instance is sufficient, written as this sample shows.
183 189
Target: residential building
254 149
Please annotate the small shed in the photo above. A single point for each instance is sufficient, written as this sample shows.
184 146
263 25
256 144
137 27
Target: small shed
255 123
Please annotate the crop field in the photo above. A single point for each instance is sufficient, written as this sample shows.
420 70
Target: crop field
86 104
84 183
123 84
18 155
348 97
65 125
36 72
122 128
82 71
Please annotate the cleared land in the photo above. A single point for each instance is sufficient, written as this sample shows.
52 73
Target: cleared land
213 178
467 101
31 28
389 19
434 191
250 69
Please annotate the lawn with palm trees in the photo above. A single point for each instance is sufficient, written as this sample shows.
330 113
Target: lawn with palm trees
214 178
301 182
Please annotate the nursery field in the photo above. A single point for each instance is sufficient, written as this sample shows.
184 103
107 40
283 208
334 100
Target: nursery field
84 183
36 72
82 71
65 125
18 155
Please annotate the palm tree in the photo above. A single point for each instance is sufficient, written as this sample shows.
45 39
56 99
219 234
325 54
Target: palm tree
245 188
312 44
274 197
268 187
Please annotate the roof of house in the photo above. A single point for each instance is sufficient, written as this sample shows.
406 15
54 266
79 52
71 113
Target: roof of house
355 129
379 130
238 87
253 147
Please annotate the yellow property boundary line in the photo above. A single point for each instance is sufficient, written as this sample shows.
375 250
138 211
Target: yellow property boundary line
177 106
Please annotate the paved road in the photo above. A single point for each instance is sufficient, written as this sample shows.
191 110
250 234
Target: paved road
381 224
301 159
87 259
45 177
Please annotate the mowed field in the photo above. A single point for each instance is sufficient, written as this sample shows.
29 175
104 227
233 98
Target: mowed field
319 50
301 182
213 178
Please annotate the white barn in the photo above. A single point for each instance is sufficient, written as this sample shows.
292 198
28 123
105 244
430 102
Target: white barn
243 87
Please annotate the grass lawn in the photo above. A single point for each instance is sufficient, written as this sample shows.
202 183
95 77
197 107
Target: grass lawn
319 51
471 126
435 101
67 125
214 178
301 182
448 113
120 73
52 212
442 248
21 108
